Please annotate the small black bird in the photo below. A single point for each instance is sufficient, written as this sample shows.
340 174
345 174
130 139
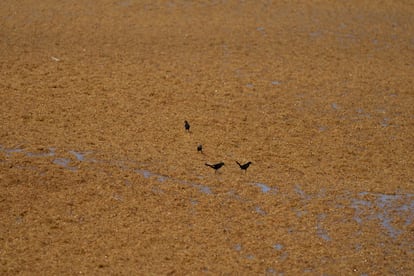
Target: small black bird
216 166
186 126
244 166
200 148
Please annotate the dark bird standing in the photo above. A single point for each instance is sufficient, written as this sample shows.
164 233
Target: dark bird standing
200 148
216 166
186 126
244 166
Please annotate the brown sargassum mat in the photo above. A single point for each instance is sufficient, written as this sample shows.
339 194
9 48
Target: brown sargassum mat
99 176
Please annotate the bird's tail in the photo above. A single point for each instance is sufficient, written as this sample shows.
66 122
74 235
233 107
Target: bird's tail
238 164
209 165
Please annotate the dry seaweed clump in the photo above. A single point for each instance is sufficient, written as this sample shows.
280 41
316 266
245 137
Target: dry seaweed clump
110 113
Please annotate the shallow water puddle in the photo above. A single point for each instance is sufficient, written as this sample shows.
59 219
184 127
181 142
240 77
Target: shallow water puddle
64 162
320 231
79 155
385 209
265 188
